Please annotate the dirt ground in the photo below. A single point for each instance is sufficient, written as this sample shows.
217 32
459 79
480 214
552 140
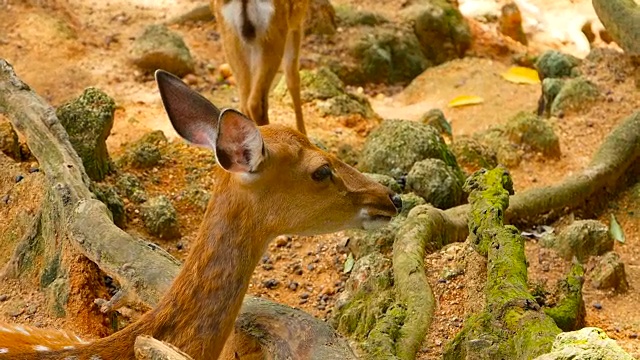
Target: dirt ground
59 48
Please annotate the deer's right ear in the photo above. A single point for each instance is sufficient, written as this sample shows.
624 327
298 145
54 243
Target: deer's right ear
194 117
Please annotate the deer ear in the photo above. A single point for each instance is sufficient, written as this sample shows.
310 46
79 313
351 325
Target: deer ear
193 116
239 146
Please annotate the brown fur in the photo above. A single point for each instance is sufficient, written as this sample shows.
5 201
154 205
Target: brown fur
282 38
198 313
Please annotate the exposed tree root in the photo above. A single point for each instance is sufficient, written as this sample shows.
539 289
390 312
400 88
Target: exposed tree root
73 220
512 325
427 229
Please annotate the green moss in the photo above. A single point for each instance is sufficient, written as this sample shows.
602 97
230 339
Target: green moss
348 16
554 64
533 133
575 95
50 272
570 310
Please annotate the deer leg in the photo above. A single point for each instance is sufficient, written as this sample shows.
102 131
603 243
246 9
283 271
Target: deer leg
292 73
265 64
237 56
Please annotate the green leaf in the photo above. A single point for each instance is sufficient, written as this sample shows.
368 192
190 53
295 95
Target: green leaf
348 264
616 230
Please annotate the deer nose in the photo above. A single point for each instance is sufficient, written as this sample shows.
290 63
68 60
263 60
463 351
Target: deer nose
397 201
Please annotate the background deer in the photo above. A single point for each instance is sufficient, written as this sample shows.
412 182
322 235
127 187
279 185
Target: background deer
270 181
255 36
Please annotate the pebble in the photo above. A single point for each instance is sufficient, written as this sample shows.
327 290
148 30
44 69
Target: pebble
32 309
33 170
597 305
179 245
633 336
5 199
310 267
303 301
304 295
4 297
282 240
19 178
267 267
271 283
293 286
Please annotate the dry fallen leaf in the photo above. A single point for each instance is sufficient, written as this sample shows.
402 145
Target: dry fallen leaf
521 75
464 100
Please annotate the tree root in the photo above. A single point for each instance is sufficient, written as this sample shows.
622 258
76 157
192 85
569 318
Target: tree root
148 348
73 220
569 312
621 18
512 324
427 229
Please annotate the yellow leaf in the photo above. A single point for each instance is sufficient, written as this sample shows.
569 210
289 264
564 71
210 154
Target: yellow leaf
521 75
464 100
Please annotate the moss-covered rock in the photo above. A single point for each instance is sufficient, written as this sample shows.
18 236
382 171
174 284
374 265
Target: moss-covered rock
576 94
160 48
145 152
441 30
321 18
554 64
609 273
550 89
586 344
582 239
507 153
160 218
348 16
435 118
108 195
129 185
472 155
88 121
393 147
197 196
385 180
383 54
9 143
435 181
533 134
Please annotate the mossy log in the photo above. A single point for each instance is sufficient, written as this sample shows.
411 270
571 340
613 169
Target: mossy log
426 231
512 325
72 220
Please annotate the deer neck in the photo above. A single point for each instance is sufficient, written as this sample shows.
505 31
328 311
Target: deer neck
199 312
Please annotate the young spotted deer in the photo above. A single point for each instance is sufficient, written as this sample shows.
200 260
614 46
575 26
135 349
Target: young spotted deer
256 34
270 180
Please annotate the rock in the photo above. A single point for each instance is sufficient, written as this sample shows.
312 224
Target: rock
385 180
129 186
383 54
318 84
88 121
507 153
160 48
108 195
393 147
160 218
348 16
436 182
586 344
583 238
609 273
9 143
198 197
409 201
346 104
554 64
533 134
441 30
321 18
435 118
145 152
510 23
472 155
575 95
550 89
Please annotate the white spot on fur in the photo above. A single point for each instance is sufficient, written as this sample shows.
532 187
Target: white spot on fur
41 348
22 330
4 350
80 340
69 347
259 13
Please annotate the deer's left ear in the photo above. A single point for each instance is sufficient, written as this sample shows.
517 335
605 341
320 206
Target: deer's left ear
239 145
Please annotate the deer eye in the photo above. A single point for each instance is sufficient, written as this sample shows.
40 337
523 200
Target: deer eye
322 173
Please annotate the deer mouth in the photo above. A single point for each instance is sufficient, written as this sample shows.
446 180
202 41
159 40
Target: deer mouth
373 221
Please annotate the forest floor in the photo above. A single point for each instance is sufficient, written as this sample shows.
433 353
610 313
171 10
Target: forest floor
60 49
